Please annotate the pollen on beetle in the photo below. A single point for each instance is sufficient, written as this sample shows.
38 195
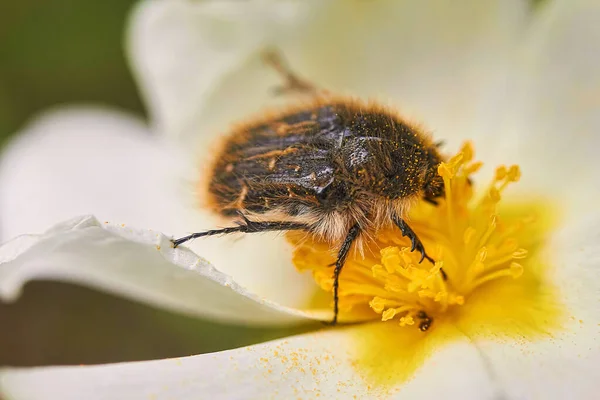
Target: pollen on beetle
473 242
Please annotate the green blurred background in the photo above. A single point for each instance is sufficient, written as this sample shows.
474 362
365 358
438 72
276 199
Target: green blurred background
62 51
56 52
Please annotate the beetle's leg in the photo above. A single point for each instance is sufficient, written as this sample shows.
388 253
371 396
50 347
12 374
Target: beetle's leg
339 263
246 227
293 83
416 243
414 239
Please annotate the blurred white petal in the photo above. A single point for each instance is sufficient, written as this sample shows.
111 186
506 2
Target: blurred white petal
443 64
89 161
554 119
316 365
565 365
182 50
137 264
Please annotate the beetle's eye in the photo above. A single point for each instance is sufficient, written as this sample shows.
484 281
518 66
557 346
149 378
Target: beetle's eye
331 194
323 193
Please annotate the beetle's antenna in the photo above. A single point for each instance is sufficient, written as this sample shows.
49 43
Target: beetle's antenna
293 83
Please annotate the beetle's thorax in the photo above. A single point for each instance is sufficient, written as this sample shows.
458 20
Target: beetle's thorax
372 214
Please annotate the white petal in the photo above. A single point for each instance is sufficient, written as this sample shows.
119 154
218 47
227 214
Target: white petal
181 50
82 161
566 365
442 63
554 114
138 264
318 365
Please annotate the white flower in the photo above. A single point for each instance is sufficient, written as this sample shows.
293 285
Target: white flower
453 67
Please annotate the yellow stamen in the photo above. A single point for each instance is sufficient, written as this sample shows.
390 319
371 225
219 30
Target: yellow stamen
473 242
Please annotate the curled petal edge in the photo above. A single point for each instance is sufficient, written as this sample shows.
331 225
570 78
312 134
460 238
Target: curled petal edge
140 264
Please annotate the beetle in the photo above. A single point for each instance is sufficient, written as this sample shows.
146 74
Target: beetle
335 167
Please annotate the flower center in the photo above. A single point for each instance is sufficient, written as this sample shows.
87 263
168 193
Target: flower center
474 245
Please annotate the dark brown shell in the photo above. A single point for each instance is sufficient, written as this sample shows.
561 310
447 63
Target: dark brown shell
324 157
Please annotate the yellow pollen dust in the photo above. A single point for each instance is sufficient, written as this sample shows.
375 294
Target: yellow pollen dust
472 243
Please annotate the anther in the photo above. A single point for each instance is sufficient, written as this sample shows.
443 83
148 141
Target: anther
514 173
501 172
